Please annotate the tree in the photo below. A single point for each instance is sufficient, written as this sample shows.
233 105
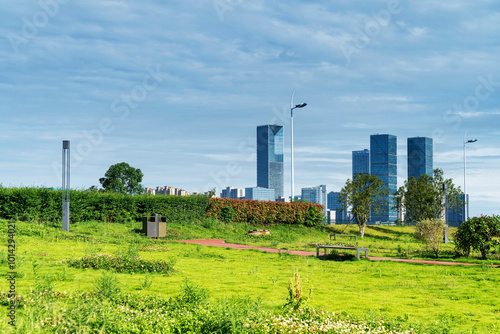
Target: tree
477 233
431 232
427 197
364 194
123 178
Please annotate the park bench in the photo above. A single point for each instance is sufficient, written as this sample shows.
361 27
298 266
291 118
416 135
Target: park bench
343 235
357 249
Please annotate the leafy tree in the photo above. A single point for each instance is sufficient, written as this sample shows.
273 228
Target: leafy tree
477 233
364 194
123 178
431 232
424 198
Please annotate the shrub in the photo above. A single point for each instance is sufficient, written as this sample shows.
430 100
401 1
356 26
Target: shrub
431 232
477 233
123 264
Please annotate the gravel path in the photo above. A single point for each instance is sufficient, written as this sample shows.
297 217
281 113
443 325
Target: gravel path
221 243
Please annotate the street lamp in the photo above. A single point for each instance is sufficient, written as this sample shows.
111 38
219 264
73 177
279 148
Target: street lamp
465 182
302 105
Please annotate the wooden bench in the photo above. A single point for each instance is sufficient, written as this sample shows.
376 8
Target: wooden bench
343 235
357 249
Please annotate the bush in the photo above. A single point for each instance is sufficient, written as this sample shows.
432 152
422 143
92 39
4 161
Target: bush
477 233
123 264
431 232
257 212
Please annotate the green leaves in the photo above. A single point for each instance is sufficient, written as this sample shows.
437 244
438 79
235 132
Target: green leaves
477 233
123 178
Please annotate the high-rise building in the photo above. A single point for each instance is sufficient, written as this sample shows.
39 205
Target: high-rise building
270 146
360 162
334 205
234 193
260 194
456 215
384 164
315 195
420 151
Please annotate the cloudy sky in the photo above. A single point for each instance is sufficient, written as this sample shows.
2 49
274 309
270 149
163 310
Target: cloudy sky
177 88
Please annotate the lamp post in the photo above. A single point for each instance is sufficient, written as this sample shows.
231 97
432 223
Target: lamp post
302 105
465 182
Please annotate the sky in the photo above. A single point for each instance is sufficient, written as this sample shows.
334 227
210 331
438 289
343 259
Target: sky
177 88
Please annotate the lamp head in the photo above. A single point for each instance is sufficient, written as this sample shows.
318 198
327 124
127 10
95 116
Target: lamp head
472 141
302 105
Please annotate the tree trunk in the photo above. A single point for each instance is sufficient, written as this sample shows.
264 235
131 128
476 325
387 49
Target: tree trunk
362 230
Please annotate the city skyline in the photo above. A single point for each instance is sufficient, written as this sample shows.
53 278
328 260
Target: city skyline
176 89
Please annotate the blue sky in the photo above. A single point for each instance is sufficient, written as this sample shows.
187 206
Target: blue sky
177 88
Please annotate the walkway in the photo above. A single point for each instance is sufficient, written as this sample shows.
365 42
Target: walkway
221 243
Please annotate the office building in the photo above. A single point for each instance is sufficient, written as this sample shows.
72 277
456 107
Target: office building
260 194
420 151
334 205
360 162
270 169
315 195
456 215
383 164
233 193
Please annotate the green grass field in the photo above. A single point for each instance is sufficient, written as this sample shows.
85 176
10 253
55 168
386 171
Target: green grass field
434 298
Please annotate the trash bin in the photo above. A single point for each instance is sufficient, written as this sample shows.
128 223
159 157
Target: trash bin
154 226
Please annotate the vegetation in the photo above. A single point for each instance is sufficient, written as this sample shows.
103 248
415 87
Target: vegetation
424 199
257 212
362 196
123 178
431 232
478 233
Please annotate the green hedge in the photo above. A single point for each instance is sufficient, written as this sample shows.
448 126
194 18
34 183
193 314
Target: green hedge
46 205
257 212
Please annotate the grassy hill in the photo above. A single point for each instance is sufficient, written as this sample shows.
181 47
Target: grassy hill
227 290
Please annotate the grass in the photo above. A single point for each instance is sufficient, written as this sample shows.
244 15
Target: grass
440 298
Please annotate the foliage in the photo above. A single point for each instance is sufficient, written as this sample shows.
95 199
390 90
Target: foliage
107 285
477 233
257 212
363 195
123 264
123 178
295 299
41 204
424 199
431 232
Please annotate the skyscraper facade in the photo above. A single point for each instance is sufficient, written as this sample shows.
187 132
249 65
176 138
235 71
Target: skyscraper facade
334 205
360 162
456 215
315 195
384 164
420 152
270 147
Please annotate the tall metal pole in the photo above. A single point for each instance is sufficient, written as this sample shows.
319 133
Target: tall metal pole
466 199
66 160
302 105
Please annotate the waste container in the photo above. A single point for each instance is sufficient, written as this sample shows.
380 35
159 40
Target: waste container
154 226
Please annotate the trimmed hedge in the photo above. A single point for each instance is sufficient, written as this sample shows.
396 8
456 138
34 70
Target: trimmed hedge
46 205
256 212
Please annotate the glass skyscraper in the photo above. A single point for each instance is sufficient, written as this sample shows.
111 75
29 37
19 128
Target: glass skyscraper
384 164
420 152
334 204
270 169
360 162
315 195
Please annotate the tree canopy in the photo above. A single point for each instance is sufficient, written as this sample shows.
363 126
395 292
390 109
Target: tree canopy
363 195
123 178
427 197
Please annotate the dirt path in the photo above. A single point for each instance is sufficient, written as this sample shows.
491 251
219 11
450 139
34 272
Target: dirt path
221 243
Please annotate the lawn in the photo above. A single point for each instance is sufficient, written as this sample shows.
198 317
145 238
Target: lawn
431 298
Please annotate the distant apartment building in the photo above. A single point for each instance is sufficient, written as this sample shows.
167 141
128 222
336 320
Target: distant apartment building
233 193
270 169
334 204
166 190
260 194
420 157
384 164
360 162
315 195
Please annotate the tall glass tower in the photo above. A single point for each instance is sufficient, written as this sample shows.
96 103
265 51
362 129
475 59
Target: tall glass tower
270 146
360 162
384 164
420 151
